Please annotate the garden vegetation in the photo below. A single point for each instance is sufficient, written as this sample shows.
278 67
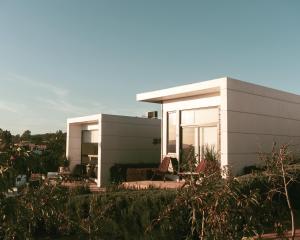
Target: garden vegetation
207 207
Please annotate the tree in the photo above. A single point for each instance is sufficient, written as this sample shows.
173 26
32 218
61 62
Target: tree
281 176
5 140
26 136
54 156
16 138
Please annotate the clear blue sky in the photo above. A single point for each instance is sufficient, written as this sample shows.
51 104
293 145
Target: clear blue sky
69 58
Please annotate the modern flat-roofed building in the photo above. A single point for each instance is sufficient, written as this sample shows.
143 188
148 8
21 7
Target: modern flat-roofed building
239 119
102 140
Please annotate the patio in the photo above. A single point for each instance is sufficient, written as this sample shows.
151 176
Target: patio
152 184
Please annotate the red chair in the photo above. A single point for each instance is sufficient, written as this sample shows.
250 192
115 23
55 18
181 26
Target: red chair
201 166
162 170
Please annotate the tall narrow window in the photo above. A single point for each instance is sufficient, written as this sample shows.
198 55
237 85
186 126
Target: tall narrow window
171 147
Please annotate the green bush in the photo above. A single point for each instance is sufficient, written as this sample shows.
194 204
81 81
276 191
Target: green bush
122 214
251 169
37 211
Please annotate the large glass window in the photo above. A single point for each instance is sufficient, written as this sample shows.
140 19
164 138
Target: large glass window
199 116
90 136
171 121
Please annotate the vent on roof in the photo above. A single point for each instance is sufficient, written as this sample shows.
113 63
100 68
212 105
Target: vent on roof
152 114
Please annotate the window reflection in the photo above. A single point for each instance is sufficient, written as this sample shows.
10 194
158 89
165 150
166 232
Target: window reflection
171 118
188 143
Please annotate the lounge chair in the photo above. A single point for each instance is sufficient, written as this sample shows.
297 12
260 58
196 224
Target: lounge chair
199 169
162 170
201 166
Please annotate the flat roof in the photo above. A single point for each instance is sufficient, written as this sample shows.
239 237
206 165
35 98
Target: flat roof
188 90
85 119
90 119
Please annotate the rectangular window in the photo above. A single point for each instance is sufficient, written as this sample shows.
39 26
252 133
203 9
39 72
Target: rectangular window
199 116
206 116
90 136
171 134
188 146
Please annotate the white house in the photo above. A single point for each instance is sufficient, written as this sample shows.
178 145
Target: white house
102 140
240 119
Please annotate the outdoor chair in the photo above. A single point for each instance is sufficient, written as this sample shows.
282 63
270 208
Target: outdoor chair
200 168
162 170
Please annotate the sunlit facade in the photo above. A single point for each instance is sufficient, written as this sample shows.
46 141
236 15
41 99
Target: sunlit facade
235 118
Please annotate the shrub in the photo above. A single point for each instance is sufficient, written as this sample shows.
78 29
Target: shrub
35 212
54 211
79 171
233 208
122 214
251 169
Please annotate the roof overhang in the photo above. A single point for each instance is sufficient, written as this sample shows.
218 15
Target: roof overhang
86 119
189 90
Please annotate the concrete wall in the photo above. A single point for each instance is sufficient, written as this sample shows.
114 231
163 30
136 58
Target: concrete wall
127 140
256 117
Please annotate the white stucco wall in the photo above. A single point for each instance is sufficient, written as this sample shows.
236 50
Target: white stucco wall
127 140
73 148
258 116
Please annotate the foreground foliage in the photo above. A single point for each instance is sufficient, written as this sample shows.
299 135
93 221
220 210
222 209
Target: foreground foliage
232 209
209 207
56 211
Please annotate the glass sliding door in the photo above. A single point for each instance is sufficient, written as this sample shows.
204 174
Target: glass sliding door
199 128
194 139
